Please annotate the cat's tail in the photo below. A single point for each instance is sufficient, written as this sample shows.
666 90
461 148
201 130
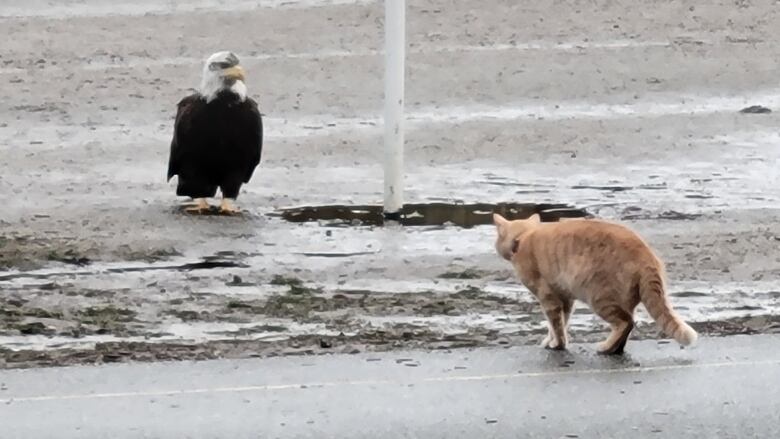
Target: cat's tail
653 296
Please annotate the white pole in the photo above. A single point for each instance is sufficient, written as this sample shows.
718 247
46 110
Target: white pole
395 48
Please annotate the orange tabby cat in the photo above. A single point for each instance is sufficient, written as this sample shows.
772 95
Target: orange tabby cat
605 265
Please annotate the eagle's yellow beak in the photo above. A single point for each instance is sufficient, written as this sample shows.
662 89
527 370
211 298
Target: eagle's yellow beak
235 72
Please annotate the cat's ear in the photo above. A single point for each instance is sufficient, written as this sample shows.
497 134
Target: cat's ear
499 220
535 218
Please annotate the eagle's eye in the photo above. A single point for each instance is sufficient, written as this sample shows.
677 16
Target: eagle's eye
219 65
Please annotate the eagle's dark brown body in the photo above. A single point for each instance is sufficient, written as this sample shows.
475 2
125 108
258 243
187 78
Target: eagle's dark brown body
215 145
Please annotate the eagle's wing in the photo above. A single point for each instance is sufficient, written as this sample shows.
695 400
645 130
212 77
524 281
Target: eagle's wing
254 146
182 125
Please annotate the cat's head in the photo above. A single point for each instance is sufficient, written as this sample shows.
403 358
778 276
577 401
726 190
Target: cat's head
509 233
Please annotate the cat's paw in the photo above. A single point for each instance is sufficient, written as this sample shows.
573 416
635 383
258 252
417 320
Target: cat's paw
546 341
609 349
555 345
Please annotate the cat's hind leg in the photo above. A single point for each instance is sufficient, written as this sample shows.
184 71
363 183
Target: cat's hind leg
621 322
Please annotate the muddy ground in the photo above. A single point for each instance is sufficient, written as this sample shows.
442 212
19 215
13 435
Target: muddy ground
630 112
299 320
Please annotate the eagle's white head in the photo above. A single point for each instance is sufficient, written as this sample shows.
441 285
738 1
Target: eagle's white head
222 72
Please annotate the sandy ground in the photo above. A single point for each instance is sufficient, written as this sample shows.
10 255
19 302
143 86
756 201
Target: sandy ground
630 111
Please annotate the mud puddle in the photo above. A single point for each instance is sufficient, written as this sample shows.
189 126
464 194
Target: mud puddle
206 264
432 214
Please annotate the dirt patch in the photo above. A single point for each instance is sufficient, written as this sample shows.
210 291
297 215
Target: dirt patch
305 304
24 252
468 273
348 318
27 252
21 318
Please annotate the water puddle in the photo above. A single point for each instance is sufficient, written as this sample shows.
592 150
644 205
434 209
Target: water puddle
206 264
431 214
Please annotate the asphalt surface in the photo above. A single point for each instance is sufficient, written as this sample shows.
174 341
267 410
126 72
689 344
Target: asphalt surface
724 387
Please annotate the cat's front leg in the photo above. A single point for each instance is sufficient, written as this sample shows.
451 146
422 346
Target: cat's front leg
553 307
548 338
568 307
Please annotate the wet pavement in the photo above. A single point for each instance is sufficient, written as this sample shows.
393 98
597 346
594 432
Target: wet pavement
631 115
724 387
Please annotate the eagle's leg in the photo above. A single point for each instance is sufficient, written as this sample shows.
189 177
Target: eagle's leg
230 187
228 207
200 206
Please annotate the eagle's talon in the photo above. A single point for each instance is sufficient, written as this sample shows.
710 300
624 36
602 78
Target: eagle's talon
200 206
229 211
228 208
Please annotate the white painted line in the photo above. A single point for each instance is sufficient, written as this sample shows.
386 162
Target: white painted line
132 62
546 45
418 50
107 8
575 110
454 378
421 118
561 110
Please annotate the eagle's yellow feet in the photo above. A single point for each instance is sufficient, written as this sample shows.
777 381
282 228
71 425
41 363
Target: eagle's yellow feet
228 208
200 206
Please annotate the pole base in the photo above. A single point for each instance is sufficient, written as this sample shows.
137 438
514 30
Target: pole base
393 216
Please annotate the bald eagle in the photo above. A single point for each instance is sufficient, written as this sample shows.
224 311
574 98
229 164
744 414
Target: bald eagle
217 136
